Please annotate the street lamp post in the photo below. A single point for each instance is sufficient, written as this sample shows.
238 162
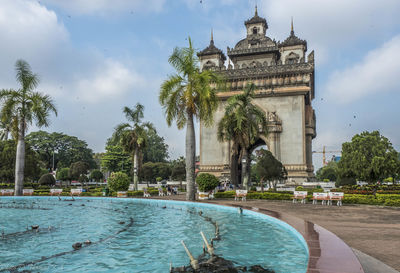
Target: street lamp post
244 173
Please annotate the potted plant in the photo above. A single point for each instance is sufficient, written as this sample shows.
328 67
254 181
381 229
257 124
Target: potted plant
206 182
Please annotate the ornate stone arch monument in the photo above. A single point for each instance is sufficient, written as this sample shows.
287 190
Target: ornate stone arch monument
284 80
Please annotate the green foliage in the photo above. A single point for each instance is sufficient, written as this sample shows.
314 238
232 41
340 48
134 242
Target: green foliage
116 160
345 180
118 181
77 169
23 106
133 137
96 175
83 178
309 190
207 182
328 172
158 179
63 174
47 179
268 168
7 162
178 169
150 171
67 149
368 157
156 149
381 199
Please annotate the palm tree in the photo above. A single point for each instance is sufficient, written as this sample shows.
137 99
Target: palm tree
133 137
5 127
242 124
23 107
185 95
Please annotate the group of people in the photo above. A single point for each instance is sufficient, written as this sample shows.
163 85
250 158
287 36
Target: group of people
172 190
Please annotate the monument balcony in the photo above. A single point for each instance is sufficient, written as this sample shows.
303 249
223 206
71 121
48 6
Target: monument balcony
252 50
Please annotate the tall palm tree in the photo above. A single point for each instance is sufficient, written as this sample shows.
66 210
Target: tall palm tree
24 106
186 95
133 137
242 124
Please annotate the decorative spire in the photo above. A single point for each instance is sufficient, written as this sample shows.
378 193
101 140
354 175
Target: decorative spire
212 36
291 29
256 13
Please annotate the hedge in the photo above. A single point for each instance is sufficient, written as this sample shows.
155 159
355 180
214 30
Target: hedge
380 200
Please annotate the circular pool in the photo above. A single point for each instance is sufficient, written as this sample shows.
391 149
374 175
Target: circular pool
138 235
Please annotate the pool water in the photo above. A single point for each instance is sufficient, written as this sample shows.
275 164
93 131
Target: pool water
149 244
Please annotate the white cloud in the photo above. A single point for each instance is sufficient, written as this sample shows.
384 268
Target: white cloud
378 72
106 7
32 32
331 24
28 31
112 79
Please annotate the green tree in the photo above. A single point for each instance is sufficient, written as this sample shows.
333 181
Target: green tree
118 181
96 175
77 169
133 137
47 179
269 169
368 157
7 162
23 107
156 149
186 95
242 124
178 171
61 148
116 160
150 171
330 172
63 174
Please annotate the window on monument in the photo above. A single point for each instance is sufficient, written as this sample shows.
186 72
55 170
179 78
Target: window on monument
254 30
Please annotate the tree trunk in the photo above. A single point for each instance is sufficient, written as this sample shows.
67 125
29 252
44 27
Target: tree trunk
190 158
135 169
20 161
234 165
245 177
262 185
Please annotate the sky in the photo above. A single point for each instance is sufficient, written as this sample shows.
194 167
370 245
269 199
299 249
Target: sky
96 56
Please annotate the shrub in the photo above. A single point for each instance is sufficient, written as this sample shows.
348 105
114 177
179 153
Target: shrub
47 179
118 181
207 182
96 175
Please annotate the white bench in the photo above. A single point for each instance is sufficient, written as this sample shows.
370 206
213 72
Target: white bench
7 192
55 191
240 194
160 192
320 196
336 196
299 195
27 191
76 192
146 193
